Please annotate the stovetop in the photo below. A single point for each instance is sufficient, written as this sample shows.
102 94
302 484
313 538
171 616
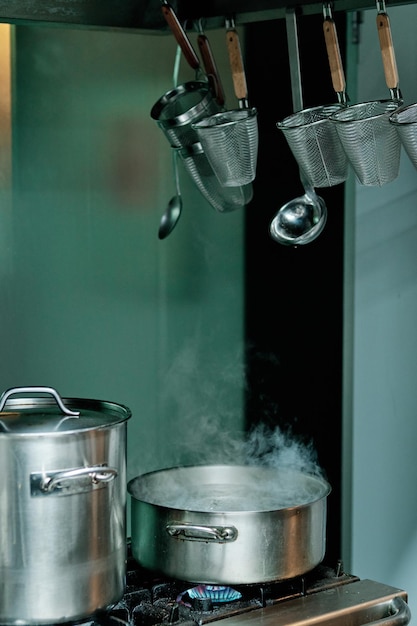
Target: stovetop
150 600
326 595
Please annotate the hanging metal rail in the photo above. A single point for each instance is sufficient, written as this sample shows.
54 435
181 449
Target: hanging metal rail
145 15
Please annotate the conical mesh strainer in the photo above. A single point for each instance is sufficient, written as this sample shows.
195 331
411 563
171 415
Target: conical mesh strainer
230 138
174 113
177 110
371 143
223 199
230 141
405 121
316 146
311 136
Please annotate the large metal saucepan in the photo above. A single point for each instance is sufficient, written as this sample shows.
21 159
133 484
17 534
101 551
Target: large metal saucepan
228 524
62 506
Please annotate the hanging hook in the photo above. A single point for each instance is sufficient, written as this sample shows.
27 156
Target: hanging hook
380 6
200 28
230 22
328 10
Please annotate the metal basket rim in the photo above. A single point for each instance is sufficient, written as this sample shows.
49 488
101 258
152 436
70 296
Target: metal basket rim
359 105
202 124
403 109
191 150
183 118
283 124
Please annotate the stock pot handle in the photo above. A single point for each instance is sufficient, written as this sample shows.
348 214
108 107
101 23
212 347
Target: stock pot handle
45 483
400 614
196 532
50 390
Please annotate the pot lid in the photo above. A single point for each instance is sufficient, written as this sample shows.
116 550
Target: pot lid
34 414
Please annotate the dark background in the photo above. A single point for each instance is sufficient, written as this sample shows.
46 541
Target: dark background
294 296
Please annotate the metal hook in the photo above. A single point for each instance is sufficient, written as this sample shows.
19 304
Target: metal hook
380 6
230 22
327 10
199 27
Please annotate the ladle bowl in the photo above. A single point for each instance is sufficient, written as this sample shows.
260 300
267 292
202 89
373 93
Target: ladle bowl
300 220
173 211
171 216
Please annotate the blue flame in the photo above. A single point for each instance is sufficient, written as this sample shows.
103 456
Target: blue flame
216 593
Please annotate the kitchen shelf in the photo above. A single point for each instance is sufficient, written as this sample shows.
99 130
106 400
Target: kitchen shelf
145 15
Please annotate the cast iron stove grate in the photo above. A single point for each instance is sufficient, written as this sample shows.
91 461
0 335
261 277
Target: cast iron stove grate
153 601
324 595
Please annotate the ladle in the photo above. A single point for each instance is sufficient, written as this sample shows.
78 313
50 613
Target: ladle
302 219
174 208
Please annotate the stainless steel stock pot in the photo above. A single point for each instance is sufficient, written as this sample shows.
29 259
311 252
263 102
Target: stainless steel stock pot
62 506
228 524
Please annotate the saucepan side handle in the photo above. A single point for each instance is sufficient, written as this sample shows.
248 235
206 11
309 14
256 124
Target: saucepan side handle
400 614
196 532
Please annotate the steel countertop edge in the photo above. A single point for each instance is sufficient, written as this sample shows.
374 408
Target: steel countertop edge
331 606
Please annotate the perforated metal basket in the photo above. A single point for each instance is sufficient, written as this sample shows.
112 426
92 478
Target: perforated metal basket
370 141
315 144
230 142
405 122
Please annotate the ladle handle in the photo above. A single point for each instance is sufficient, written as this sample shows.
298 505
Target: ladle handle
334 56
180 35
294 59
236 65
387 52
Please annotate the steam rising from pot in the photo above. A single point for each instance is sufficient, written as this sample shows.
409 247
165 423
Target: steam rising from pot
277 448
205 428
227 488
267 471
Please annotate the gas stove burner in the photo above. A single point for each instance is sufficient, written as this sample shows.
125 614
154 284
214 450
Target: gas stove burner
150 599
204 596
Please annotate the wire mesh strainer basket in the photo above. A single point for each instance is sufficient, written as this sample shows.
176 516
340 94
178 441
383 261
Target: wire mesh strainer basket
230 142
175 113
230 138
178 108
223 199
371 143
315 144
405 121
311 136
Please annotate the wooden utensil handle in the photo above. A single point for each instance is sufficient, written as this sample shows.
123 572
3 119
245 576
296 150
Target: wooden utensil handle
236 64
180 35
211 67
333 53
387 50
